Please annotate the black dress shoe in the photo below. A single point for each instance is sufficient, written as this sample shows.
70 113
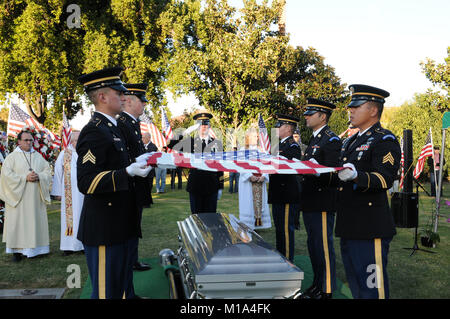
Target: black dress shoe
68 252
17 257
317 294
310 291
141 266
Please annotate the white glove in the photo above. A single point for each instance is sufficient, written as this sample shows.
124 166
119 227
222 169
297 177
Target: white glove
143 158
139 169
191 129
219 194
313 160
349 173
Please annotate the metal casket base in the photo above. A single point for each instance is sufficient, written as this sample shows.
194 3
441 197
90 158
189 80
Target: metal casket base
220 257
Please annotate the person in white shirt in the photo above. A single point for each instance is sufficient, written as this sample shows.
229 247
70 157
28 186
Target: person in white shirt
65 189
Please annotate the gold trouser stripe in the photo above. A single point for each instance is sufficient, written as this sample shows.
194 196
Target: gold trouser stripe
326 252
381 178
95 182
379 269
286 229
102 272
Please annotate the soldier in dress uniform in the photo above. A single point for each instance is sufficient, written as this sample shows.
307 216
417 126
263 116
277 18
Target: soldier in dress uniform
204 187
319 199
364 221
109 217
129 123
284 189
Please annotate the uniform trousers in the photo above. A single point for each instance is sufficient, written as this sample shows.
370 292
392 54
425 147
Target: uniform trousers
110 269
284 221
319 229
203 203
365 263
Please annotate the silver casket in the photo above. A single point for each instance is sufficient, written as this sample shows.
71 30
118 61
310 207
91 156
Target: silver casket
220 257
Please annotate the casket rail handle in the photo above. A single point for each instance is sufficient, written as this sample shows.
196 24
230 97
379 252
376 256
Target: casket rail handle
295 295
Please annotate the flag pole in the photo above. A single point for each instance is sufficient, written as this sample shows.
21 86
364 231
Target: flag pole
438 190
434 164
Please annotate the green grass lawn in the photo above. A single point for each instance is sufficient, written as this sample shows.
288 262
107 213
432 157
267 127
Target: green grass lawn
422 275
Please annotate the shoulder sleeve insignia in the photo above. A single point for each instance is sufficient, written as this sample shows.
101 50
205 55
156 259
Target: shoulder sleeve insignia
334 138
388 158
89 157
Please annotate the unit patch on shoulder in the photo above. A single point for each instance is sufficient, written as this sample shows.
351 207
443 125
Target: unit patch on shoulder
89 157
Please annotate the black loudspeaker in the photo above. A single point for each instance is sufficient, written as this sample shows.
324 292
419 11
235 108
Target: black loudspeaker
408 160
405 209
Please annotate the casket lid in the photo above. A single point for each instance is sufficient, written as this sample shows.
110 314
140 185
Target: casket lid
219 244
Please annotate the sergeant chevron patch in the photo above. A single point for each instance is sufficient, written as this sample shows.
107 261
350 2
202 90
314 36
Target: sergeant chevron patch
89 157
388 158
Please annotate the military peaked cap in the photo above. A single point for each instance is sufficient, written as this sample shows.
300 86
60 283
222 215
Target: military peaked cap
316 105
137 89
204 117
109 77
365 93
286 119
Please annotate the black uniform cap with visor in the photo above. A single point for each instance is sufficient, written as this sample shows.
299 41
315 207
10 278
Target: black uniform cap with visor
203 118
316 105
286 119
365 93
109 77
137 89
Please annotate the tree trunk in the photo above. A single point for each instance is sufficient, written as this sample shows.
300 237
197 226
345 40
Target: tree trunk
40 104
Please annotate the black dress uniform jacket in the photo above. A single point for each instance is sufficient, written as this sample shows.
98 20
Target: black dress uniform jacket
363 208
318 193
200 182
285 188
109 214
132 131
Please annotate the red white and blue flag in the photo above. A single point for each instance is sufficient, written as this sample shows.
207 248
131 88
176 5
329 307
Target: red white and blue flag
263 136
246 161
147 126
17 119
427 151
166 129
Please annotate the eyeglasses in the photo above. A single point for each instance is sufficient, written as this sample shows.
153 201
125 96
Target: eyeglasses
28 140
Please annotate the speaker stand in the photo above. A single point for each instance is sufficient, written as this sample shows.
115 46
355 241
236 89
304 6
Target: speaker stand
416 247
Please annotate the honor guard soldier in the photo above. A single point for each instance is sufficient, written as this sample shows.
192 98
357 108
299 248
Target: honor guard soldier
284 189
129 123
364 221
204 187
319 199
109 218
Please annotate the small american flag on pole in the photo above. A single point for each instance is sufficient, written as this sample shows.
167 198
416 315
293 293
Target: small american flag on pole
427 151
18 119
147 126
263 136
167 130
66 131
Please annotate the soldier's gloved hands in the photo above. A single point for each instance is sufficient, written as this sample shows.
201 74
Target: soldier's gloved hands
191 129
138 169
219 194
143 158
348 174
